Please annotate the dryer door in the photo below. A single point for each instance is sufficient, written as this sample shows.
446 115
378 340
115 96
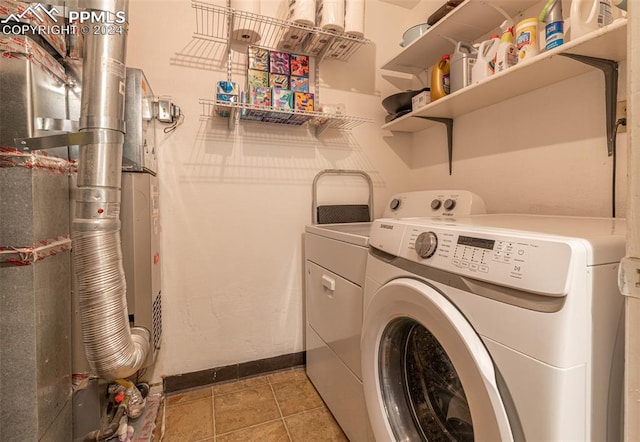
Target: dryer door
426 373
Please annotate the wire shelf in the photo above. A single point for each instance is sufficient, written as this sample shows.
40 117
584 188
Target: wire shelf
231 25
318 120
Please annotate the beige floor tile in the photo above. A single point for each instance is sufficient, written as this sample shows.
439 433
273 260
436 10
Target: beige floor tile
244 408
270 432
296 396
314 426
230 387
190 395
287 375
190 421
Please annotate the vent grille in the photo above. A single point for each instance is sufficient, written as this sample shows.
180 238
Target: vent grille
157 321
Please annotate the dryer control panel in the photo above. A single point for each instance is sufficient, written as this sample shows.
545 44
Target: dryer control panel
440 203
520 261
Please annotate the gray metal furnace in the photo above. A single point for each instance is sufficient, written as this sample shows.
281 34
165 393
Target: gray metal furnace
35 263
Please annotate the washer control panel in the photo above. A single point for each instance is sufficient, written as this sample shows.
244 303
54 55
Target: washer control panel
525 261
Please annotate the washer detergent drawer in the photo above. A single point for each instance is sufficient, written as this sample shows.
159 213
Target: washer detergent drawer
334 311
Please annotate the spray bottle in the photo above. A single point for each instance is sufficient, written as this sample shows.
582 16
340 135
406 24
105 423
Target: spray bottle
507 54
551 16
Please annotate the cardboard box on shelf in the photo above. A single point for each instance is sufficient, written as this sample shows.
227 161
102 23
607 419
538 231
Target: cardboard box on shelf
282 98
279 63
299 65
299 84
303 101
279 80
258 58
257 78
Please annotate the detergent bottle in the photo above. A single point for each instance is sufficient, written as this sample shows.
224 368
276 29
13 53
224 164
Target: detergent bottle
551 16
507 53
484 68
440 78
461 64
589 15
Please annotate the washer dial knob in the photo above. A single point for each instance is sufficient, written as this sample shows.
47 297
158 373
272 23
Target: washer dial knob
426 244
394 204
449 204
435 204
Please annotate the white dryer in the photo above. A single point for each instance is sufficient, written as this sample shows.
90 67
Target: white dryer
494 328
335 262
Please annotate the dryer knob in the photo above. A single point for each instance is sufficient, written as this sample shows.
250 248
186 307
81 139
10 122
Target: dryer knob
449 204
435 204
394 204
426 244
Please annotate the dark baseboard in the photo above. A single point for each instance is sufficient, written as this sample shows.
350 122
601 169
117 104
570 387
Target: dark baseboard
174 383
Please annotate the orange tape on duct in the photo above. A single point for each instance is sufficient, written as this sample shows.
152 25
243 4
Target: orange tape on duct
11 157
24 256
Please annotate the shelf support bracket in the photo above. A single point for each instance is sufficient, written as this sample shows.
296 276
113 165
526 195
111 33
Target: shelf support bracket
448 122
610 70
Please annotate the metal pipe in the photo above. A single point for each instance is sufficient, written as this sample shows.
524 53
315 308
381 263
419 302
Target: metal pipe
108 431
113 349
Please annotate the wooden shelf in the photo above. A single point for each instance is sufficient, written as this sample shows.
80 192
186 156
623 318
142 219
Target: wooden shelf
467 22
549 67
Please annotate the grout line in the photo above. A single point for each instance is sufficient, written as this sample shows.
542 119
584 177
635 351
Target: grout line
213 416
279 410
308 410
164 419
248 427
166 397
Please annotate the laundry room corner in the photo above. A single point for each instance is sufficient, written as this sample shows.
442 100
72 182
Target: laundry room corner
235 202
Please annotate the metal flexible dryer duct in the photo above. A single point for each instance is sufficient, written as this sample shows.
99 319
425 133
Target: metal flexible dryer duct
112 348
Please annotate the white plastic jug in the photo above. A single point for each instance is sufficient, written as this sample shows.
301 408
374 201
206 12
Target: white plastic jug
462 62
484 68
589 15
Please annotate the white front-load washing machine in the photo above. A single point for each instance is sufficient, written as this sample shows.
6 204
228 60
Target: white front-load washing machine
494 328
335 262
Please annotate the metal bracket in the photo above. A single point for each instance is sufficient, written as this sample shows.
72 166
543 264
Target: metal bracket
629 277
610 70
55 124
71 139
449 123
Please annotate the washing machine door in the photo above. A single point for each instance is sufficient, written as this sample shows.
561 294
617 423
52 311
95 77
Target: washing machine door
427 375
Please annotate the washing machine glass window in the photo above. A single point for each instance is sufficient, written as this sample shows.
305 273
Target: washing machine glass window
421 389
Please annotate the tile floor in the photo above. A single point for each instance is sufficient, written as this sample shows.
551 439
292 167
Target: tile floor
282 406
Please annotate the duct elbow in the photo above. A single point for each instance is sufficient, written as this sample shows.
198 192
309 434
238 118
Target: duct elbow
141 346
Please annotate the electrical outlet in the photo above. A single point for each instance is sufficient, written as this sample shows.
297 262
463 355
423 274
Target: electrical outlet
621 112
164 111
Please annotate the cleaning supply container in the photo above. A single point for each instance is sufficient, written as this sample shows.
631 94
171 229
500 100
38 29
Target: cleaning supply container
462 62
589 15
484 67
551 16
507 54
527 38
440 78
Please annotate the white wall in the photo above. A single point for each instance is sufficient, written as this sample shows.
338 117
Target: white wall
234 204
544 152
